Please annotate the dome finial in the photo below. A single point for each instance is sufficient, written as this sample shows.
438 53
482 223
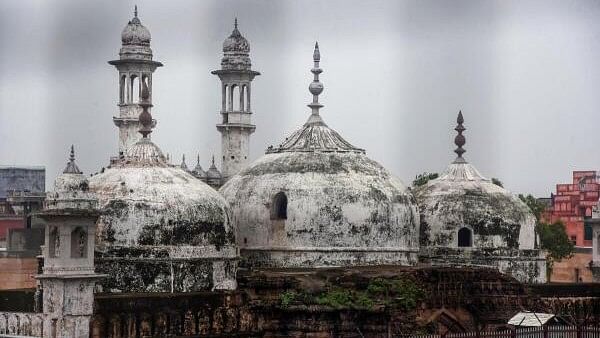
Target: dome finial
459 140
145 116
235 24
135 11
198 162
213 160
315 88
72 155
71 167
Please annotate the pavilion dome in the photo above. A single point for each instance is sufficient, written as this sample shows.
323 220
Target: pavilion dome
135 33
317 200
236 43
135 39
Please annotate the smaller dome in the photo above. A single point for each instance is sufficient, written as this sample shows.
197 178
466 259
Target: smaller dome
71 179
236 43
71 189
135 33
236 51
213 172
145 152
198 172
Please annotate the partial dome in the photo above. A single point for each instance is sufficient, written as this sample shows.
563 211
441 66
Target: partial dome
71 189
135 39
236 43
135 33
236 51
317 200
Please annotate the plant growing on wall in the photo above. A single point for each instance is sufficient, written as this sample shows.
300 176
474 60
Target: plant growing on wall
423 178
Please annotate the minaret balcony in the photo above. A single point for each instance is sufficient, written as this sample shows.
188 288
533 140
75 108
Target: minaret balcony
236 126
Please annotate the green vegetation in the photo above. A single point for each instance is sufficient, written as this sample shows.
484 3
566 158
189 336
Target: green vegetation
536 206
497 182
554 240
396 293
423 178
287 298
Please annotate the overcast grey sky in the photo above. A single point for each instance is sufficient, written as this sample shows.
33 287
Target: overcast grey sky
525 74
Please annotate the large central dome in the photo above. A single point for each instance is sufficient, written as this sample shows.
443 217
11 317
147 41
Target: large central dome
316 200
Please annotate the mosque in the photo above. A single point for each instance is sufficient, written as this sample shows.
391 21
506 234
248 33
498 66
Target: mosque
145 226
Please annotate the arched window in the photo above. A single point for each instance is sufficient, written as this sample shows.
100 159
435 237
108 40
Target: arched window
465 238
78 243
235 97
135 89
279 206
122 88
54 243
146 83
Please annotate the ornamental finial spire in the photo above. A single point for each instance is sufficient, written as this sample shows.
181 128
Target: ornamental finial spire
459 140
315 88
235 24
72 155
145 116
71 167
135 11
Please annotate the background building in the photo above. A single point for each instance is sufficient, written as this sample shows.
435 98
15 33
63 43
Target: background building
573 204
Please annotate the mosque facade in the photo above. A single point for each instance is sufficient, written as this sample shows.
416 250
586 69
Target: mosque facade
145 226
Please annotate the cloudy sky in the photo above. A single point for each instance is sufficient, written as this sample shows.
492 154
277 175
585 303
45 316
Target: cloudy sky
526 75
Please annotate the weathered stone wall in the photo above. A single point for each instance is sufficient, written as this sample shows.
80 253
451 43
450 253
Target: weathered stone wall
527 266
573 269
368 302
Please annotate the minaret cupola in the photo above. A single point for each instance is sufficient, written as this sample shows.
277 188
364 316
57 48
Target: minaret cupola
135 67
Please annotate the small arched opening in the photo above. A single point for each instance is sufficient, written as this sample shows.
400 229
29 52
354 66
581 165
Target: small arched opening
135 89
78 243
235 98
279 206
122 89
54 243
465 238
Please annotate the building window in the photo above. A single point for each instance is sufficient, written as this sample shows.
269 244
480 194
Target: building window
279 206
465 238
588 231
78 243
574 240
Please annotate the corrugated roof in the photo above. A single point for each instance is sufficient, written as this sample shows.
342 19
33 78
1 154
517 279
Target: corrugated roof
527 318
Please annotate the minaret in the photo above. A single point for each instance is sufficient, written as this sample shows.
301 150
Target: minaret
68 276
236 127
135 66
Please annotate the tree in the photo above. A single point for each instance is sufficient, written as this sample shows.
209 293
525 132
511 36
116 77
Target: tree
554 240
553 236
423 178
497 182
537 207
